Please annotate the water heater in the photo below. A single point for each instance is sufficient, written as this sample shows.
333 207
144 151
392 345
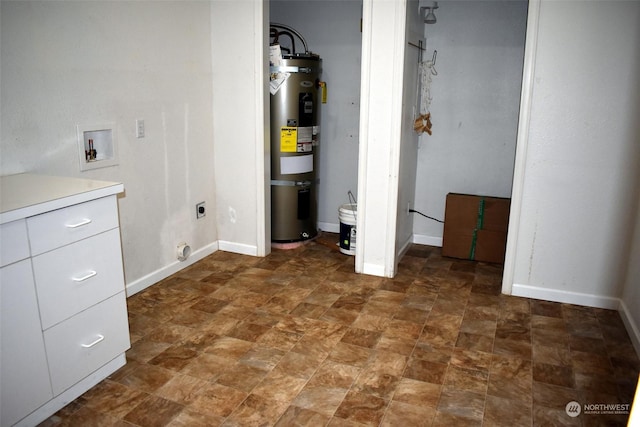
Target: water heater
295 137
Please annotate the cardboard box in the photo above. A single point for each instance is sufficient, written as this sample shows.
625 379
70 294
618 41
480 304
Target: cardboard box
475 227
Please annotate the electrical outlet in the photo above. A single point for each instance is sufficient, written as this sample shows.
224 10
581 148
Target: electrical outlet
201 210
139 128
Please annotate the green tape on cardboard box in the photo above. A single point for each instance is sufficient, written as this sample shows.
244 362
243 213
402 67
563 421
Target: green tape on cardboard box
479 225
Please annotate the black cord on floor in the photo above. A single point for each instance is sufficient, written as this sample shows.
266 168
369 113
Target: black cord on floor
426 216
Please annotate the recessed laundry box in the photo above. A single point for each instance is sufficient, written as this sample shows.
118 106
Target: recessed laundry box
347 215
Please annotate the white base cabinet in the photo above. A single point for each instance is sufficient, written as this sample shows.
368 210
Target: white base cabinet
62 302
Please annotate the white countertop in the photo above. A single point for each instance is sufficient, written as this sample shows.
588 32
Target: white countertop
25 195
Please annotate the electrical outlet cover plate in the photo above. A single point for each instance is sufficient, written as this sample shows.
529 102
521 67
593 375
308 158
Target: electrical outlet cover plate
201 210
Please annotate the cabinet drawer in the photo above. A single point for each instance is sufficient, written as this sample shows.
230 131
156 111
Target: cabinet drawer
80 345
75 277
15 243
63 226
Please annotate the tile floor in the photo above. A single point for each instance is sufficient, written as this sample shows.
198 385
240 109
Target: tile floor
297 338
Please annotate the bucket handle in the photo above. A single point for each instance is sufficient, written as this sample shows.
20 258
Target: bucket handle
355 202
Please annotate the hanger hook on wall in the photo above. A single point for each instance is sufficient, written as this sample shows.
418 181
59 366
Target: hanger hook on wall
430 17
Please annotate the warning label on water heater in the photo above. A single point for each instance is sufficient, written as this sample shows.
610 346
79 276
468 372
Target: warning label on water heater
288 139
305 140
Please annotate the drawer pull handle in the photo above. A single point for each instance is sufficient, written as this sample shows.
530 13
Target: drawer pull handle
100 338
85 277
78 224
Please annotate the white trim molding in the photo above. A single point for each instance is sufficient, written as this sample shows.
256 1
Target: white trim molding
166 271
632 328
555 295
522 143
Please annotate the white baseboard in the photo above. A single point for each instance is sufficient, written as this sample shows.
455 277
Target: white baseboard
166 271
632 328
237 248
422 239
405 247
373 269
329 227
555 295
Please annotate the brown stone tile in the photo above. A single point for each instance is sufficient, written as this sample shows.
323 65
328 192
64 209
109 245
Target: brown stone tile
350 354
298 365
207 366
81 417
515 348
248 331
296 416
553 374
279 339
313 311
439 337
334 375
588 345
501 412
467 379
181 389
402 330
400 346
513 330
387 362
423 370
553 396
280 387
306 359
320 399
229 348
154 411
144 350
371 322
174 358
146 378
217 399
591 364
511 304
210 304
511 378
478 327
432 353
544 416
554 337
548 323
546 308
413 315
190 418
169 334
418 393
361 337
461 403
362 408
551 355
256 410
445 419
475 342
264 358
241 377
404 414
112 398
339 315
471 359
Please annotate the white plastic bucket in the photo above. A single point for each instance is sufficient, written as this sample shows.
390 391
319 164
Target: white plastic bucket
347 216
